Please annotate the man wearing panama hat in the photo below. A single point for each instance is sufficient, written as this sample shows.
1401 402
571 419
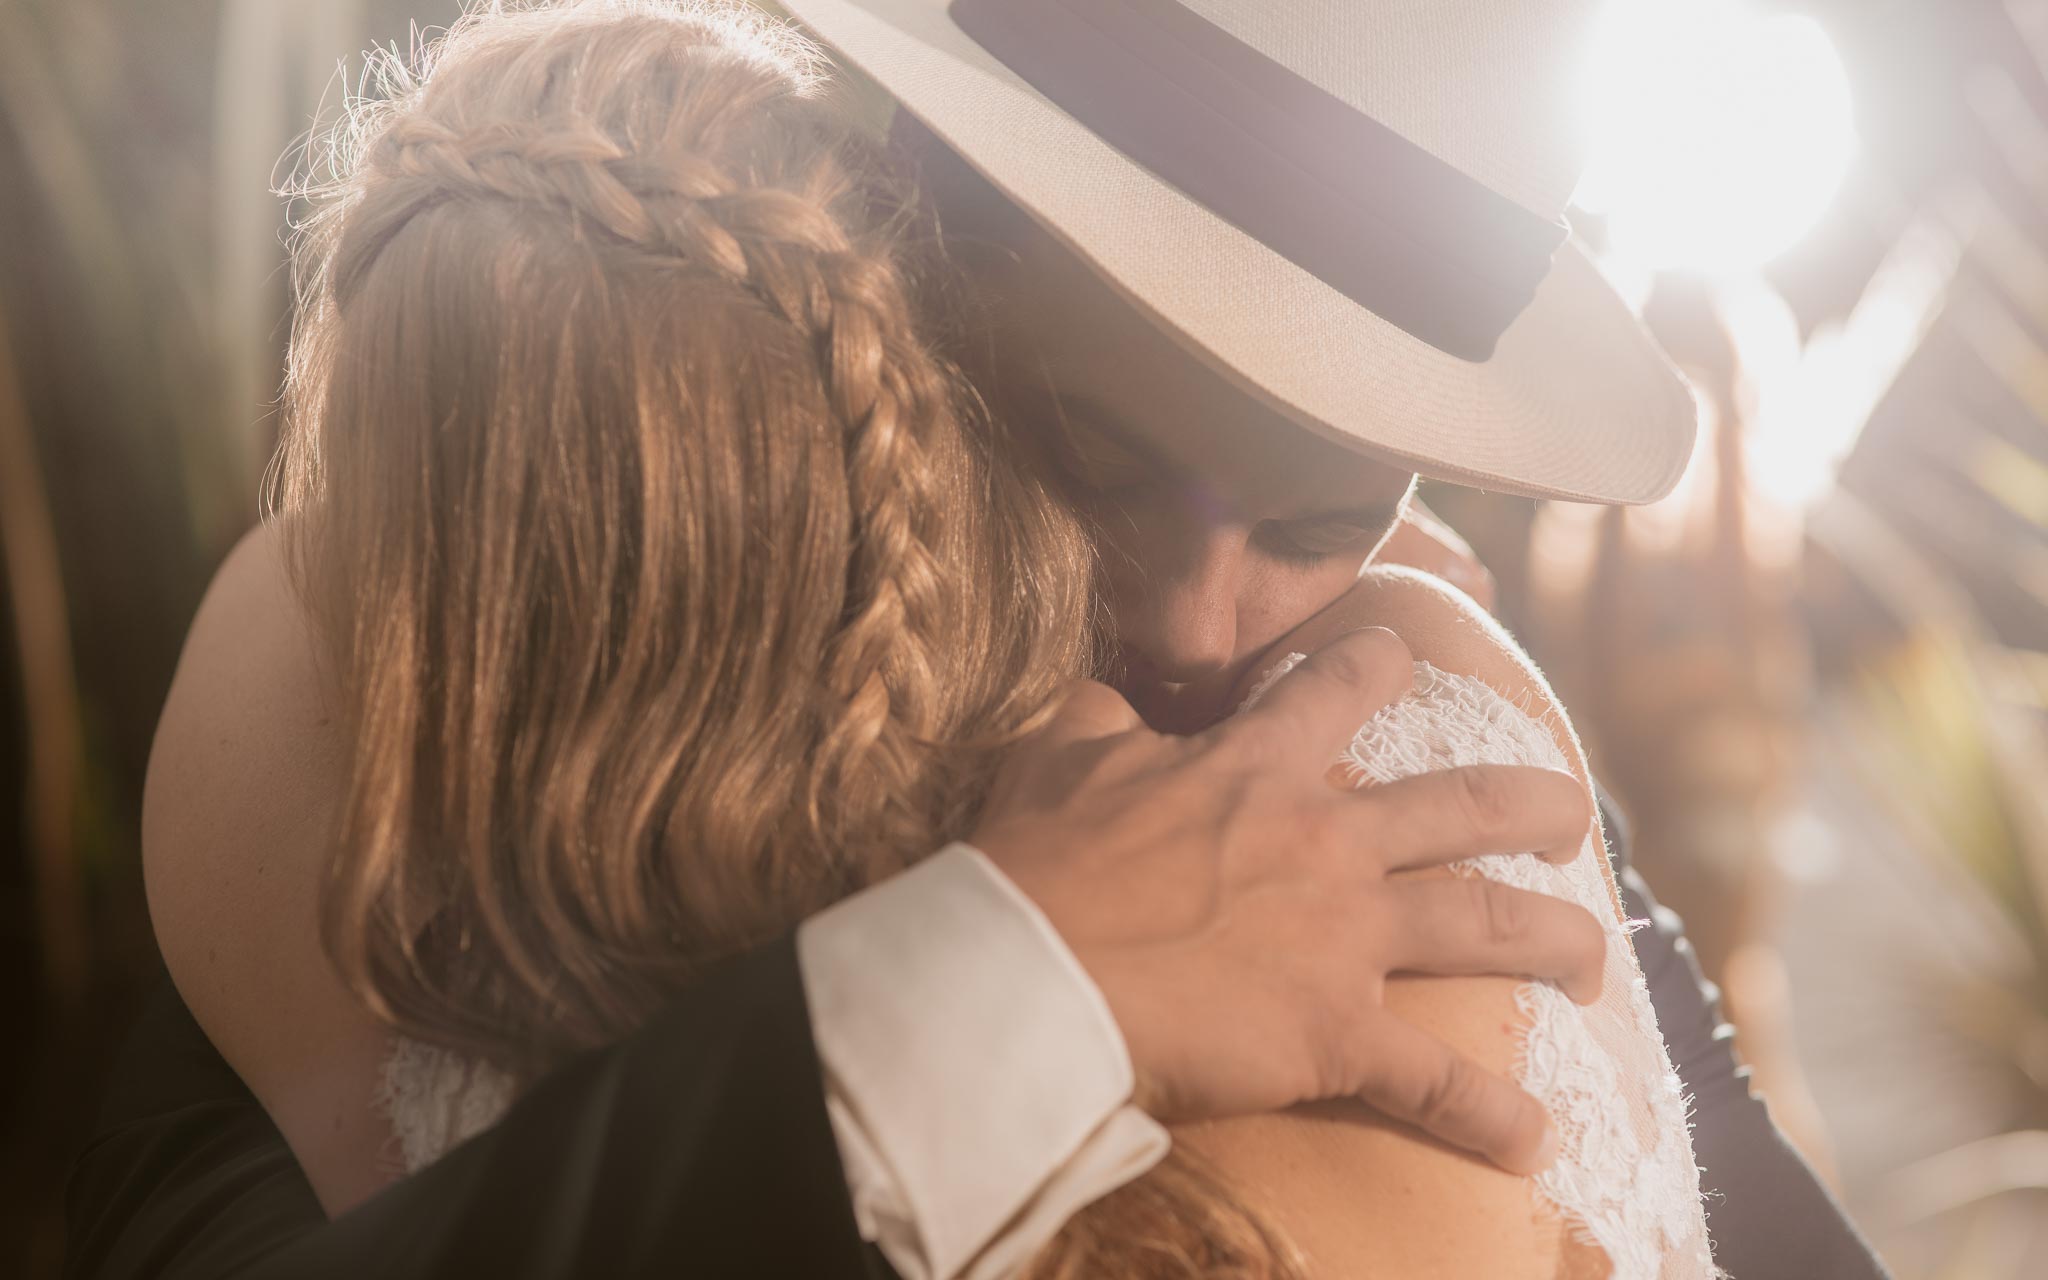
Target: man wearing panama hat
1353 211
1271 261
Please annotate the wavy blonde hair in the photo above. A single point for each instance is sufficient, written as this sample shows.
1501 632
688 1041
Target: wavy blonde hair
674 588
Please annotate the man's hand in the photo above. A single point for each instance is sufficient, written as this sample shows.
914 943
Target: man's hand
1240 914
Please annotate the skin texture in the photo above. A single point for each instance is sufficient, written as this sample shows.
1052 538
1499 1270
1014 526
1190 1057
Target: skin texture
245 781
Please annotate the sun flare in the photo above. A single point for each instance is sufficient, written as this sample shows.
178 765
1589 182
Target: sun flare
1717 134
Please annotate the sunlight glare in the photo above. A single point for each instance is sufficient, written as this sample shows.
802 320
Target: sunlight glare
1717 135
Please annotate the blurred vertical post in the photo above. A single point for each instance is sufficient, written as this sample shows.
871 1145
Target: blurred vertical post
35 584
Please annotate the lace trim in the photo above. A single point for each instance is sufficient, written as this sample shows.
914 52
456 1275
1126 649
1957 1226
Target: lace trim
1625 1179
437 1100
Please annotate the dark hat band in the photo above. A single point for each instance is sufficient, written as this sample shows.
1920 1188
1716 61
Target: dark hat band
1392 227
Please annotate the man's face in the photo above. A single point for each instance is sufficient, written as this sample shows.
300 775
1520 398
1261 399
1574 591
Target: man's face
1222 526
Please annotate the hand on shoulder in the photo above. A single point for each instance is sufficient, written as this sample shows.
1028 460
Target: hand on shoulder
1361 1191
1240 914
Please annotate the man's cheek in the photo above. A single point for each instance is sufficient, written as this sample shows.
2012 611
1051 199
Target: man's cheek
1263 622
1285 596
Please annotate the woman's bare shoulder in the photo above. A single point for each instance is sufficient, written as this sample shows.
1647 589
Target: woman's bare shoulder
1360 1193
246 751
245 781
242 688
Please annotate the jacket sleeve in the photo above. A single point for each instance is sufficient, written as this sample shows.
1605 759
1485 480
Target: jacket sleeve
699 1146
1767 1212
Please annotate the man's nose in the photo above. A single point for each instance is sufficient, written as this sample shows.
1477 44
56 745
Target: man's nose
1187 623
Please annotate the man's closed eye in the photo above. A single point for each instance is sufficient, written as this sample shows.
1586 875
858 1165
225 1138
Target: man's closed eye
1313 542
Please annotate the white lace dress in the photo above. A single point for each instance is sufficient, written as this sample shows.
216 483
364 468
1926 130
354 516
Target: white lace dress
1624 1179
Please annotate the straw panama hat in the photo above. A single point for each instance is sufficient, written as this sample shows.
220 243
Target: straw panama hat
1353 209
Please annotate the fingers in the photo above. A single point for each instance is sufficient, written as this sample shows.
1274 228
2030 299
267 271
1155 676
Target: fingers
1471 925
1316 708
1414 1077
1090 710
1433 818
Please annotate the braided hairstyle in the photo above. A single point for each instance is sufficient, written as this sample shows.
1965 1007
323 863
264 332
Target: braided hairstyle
671 584
672 590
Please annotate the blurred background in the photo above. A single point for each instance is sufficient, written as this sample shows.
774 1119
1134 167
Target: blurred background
1816 676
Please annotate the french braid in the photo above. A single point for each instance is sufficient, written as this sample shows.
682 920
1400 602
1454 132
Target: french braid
791 248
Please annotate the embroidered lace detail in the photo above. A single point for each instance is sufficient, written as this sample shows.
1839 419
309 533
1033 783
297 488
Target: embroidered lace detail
1625 1180
437 1099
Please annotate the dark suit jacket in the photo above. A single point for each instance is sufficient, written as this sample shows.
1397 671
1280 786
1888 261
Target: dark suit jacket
700 1147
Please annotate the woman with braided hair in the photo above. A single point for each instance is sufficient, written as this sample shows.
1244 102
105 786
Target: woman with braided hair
664 584
661 587
607 418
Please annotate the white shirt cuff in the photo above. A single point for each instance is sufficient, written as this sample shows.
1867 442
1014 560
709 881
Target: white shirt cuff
976 1082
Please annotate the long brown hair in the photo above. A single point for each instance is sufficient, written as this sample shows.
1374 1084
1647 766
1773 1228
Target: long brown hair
673 586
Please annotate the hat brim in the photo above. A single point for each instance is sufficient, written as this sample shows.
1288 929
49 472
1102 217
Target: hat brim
1578 401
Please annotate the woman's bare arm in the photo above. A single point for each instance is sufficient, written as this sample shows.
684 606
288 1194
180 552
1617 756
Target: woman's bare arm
245 781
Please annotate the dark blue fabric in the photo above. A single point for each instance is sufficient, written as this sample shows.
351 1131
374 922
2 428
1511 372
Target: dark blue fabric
1768 1214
